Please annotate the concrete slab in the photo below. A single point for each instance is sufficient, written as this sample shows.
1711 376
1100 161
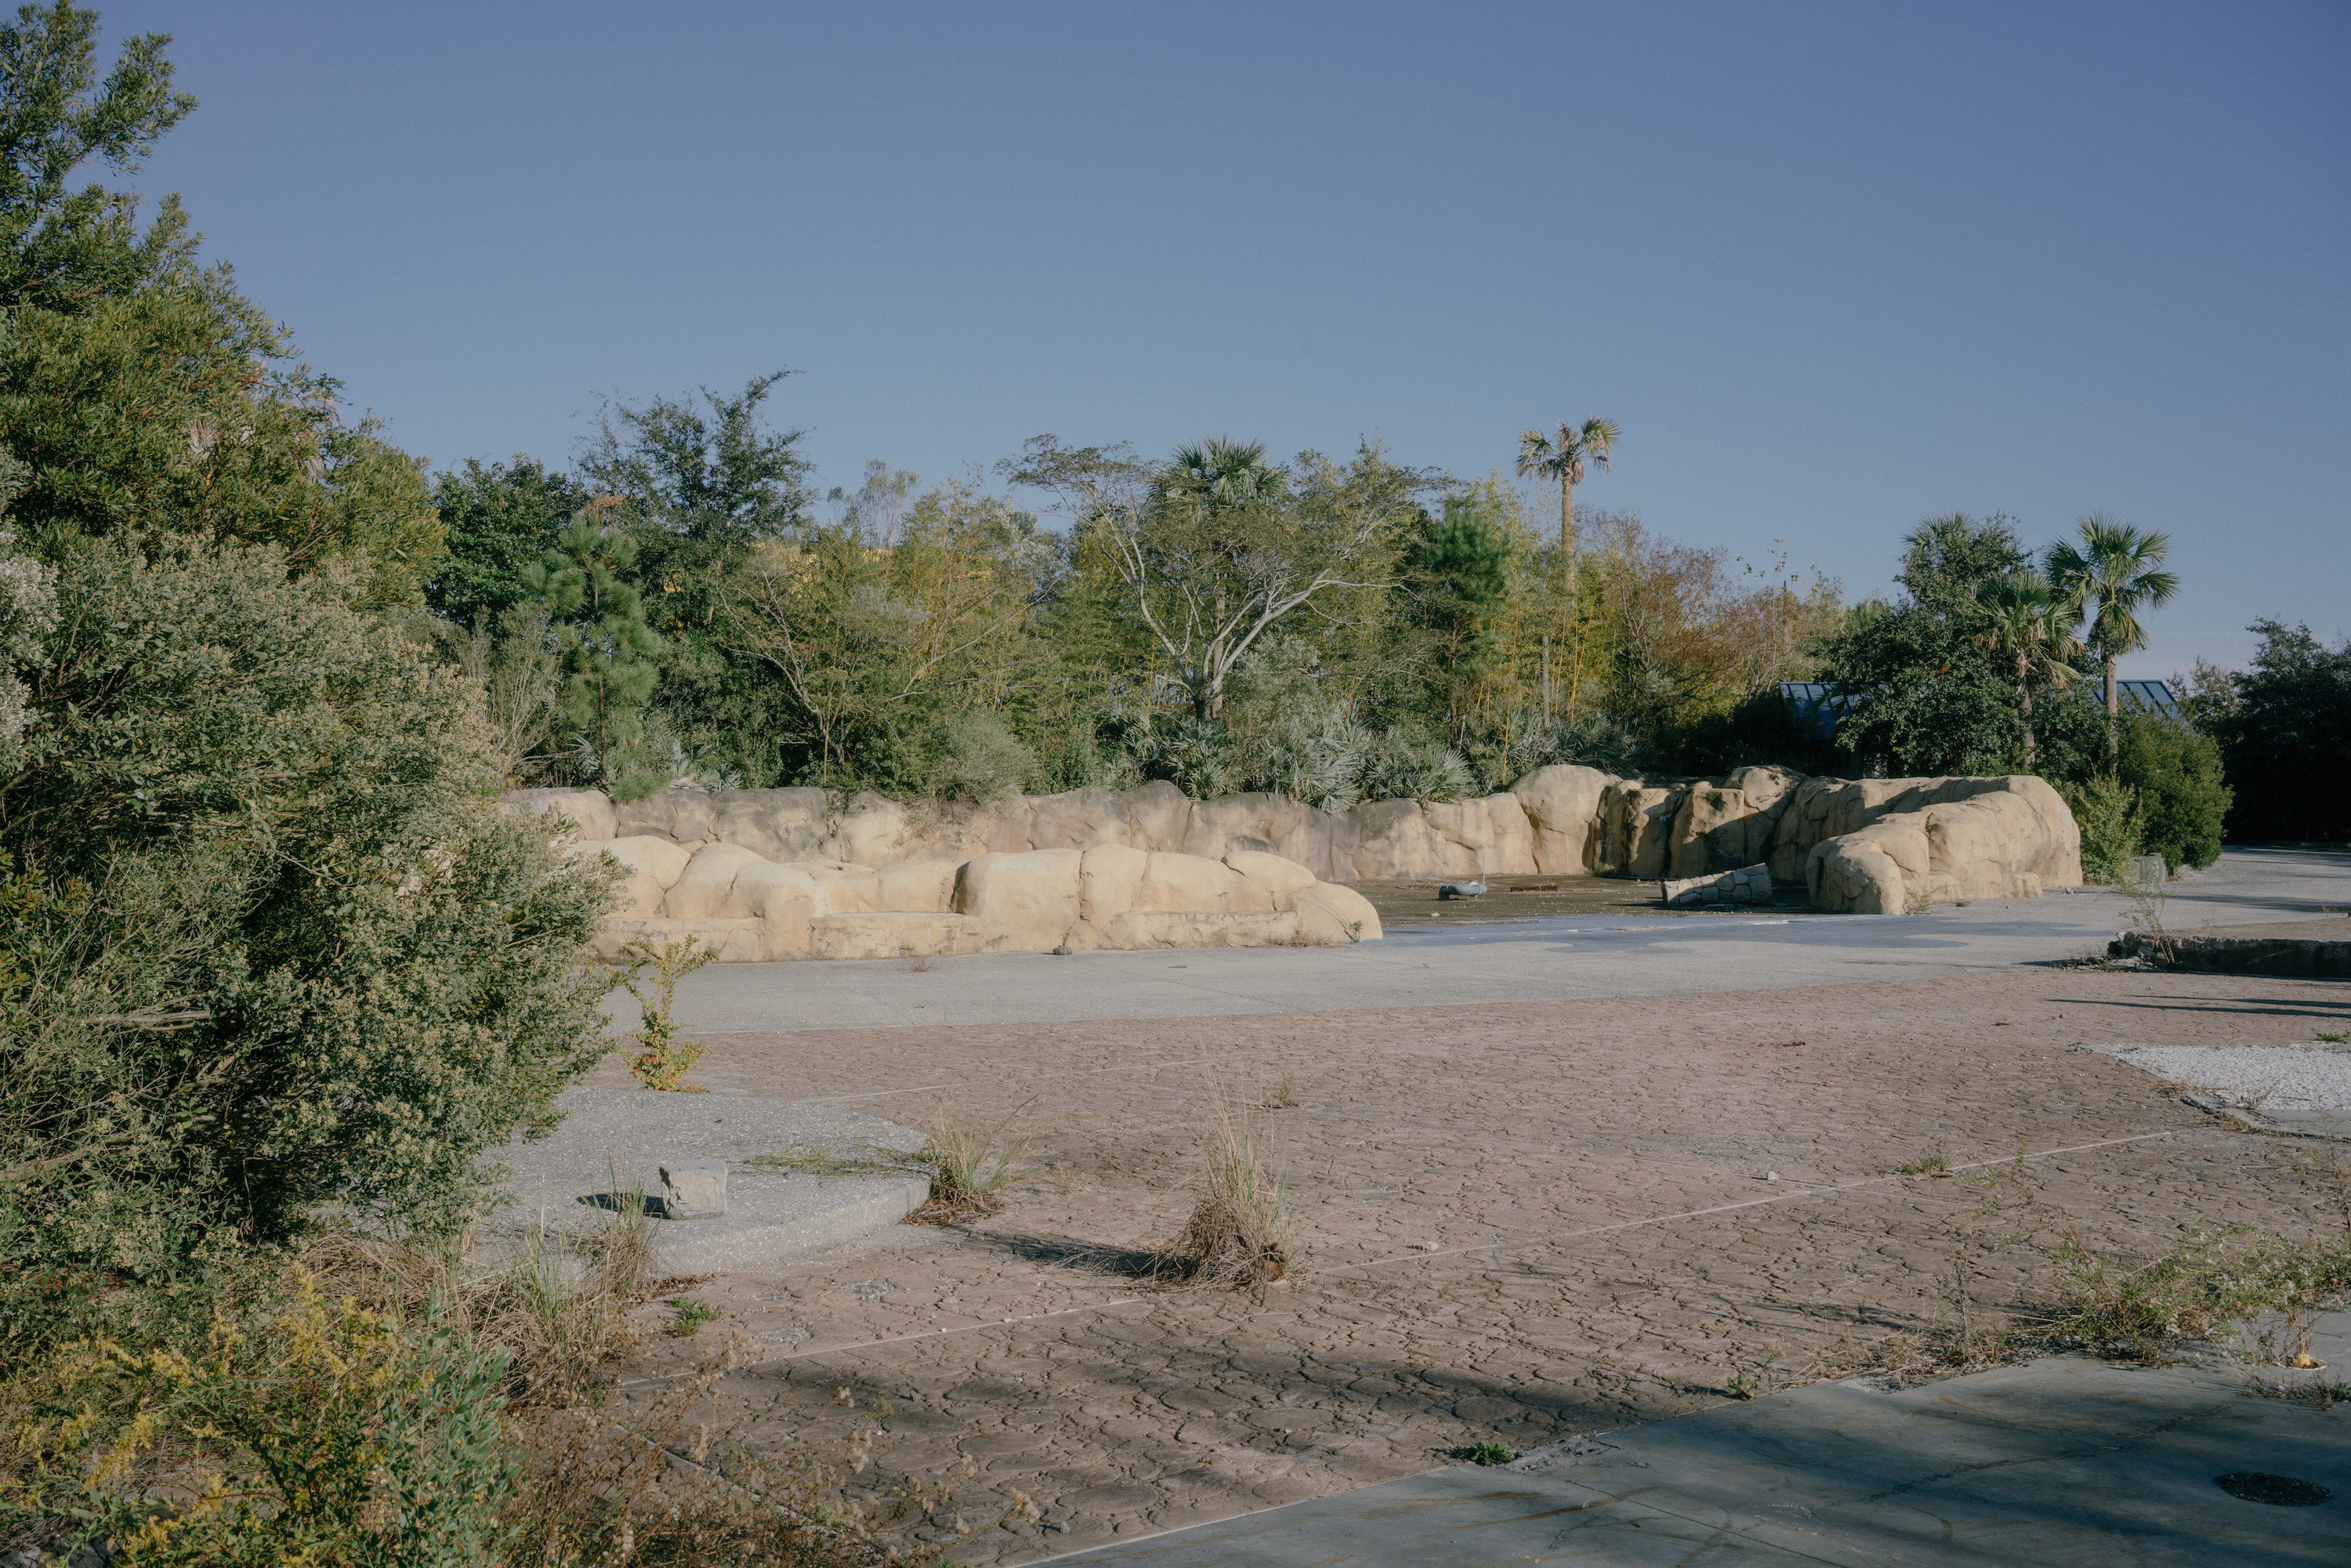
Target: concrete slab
611 1142
2060 1461
2320 948
1553 958
2301 1091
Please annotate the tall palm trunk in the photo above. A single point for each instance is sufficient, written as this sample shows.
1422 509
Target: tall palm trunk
2024 692
2114 711
1574 589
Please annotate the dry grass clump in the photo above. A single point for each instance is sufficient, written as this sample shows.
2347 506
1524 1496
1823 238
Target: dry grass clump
2257 1291
2208 1286
660 1493
976 1163
1241 1231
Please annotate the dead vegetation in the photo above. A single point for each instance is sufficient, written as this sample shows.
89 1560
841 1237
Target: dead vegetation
2255 1292
1241 1231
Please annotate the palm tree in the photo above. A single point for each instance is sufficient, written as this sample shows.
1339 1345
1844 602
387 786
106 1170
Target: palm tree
1563 459
1222 473
2029 627
2107 576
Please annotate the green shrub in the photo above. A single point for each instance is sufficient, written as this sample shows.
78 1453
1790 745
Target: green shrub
1400 765
981 758
2106 812
2182 800
319 1431
269 941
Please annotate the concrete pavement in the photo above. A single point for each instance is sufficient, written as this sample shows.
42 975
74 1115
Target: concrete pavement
2060 1461
1557 958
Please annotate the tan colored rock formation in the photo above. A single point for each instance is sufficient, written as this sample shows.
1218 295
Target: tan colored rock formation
747 908
1874 844
1563 807
1878 846
1722 827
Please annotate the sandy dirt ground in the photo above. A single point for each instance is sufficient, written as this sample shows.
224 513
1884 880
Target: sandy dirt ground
1516 1222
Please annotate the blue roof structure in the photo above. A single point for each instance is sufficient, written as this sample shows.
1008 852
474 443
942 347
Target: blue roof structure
1813 709
2148 696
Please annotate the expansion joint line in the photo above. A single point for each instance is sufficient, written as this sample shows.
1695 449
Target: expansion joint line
1496 1247
1824 1189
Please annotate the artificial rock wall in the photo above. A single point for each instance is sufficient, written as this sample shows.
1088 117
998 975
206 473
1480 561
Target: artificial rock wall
869 877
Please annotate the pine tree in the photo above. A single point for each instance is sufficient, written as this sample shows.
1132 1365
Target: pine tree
609 652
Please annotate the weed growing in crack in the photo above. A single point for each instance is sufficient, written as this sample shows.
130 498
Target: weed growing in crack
692 1315
1281 1096
1934 1162
1489 1453
976 1163
663 1060
2339 1038
2146 897
1242 1229
2325 1395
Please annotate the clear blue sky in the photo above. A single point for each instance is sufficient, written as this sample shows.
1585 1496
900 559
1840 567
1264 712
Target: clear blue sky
1832 268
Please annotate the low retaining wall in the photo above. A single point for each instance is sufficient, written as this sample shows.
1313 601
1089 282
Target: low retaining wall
2316 949
893 876
749 909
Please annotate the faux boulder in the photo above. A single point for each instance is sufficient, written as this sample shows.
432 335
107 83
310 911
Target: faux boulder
1870 844
1748 885
748 909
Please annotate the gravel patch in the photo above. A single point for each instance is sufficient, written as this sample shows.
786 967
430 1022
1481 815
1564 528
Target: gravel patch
2313 1077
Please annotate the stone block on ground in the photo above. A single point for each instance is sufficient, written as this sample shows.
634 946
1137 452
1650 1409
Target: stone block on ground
693 1189
614 1144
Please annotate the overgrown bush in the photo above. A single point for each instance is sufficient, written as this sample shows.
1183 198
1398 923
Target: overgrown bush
269 941
2176 774
320 1430
2285 732
2106 812
981 758
1401 765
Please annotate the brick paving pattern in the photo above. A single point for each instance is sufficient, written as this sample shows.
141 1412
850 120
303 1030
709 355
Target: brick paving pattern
1518 1222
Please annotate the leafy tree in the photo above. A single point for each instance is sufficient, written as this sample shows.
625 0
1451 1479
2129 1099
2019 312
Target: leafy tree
1565 458
1216 547
269 941
1457 569
702 483
608 650
2175 775
1925 696
879 649
497 520
62 248
161 412
2029 629
2285 732
2112 572
144 393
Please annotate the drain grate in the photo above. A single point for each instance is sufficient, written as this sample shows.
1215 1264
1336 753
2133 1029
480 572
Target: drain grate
2284 1491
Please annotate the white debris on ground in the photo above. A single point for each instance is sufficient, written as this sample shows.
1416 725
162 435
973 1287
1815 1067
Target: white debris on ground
2314 1077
